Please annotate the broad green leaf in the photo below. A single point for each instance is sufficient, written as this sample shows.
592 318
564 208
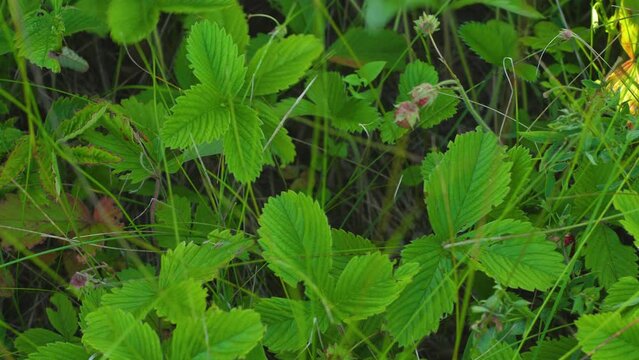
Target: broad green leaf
281 63
41 35
622 294
521 171
628 204
30 340
443 108
198 262
199 116
296 239
97 11
519 7
289 324
282 145
345 246
552 349
135 296
91 155
365 287
187 6
215 59
243 144
118 335
9 136
305 19
132 20
81 121
417 72
167 224
427 298
523 258
328 94
232 18
609 336
78 19
593 186
371 70
6 45
217 335
470 180
608 258
182 300
498 350
359 46
59 351
16 162
429 164
65 318
492 41
71 60
52 218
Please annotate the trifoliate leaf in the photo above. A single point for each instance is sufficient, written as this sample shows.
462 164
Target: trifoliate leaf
522 259
135 296
608 336
59 351
232 18
365 287
119 336
16 162
628 204
428 297
492 41
519 7
622 294
81 121
296 239
552 349
53 218
64 319
198 262
198 117
167 224
470 180
188 6
608 258
132 20
243 144
91 155
289 324
29 341
40 36
215 59
281 63
345 246
359 46
217 335
181 300
281 145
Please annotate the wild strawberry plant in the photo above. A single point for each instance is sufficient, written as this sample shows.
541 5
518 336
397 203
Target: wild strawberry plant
214 179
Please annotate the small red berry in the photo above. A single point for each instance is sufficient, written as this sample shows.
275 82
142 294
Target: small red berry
569 239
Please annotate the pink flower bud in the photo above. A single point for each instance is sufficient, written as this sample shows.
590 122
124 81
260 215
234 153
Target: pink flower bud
406 114
423 94
79 280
